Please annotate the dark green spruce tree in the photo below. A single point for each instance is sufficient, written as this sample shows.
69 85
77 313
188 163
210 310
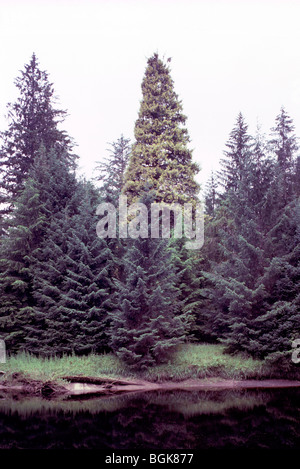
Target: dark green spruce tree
278 325
211 195
111 176
47 190
146 325
284 146
33 121
279 322
188 265
233 274
37 180
73 282
27 229
236 155
252 284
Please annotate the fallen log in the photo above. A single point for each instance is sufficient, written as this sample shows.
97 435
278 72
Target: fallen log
102 381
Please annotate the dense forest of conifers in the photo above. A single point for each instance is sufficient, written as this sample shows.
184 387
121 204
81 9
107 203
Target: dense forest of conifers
64 290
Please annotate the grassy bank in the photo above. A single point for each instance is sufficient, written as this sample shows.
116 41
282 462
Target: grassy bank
191 361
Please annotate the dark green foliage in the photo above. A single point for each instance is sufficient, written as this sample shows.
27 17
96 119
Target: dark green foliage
33 121
188 264
275 330
160 155
55 273
64 290
284 142
146 325
297 178
239 259
253 275
72 286
46 193
25 234
112 175
56 282
236 157
211 195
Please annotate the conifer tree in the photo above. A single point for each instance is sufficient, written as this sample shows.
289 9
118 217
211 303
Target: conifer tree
211 195
284 146
188 266
47 191
271 334
261 177
111 174
146 325
17 265
112 170
72 286
274 329
232 276
284 142
160 155
297 178
252 286
236 156
33 121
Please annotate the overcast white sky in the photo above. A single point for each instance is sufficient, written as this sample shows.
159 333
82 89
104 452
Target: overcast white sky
227 56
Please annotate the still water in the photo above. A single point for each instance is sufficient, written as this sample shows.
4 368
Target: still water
154 420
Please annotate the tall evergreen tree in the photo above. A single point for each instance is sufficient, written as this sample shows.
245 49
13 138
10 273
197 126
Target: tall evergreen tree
161 158
188 266
33 121
261 177
284 141
278 325
160 154
253 284
111 174
236 156
273 331
17 265
233 274
297 178
146 325
47 192
211 195
284 146
72 284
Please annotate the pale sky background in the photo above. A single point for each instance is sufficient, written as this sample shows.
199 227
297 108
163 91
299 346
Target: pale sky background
227 56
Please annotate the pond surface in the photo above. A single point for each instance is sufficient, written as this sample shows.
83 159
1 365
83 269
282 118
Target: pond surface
154 420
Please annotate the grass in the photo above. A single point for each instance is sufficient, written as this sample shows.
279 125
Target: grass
55 368
190 361
194 361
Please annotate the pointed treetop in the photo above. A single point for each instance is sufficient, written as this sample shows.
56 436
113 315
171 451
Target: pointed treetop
160 153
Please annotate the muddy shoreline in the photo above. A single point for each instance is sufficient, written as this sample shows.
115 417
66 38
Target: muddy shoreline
86 386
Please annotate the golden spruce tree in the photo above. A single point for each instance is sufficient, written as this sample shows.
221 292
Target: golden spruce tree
160 155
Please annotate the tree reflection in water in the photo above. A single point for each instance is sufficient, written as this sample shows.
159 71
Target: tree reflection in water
156 420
